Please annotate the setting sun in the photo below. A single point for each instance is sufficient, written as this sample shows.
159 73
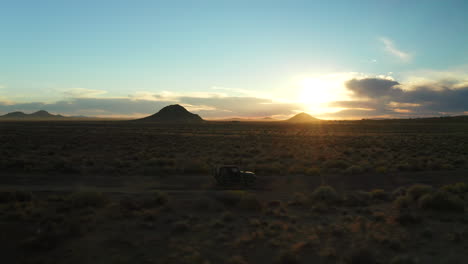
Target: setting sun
317 92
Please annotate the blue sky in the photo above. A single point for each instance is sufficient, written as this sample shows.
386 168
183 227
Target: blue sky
203 54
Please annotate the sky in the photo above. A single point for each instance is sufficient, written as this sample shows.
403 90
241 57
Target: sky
332 59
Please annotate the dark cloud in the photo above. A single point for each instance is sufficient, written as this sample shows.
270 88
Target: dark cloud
376 97
443 99
373 87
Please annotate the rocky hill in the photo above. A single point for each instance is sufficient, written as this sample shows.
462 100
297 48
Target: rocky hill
302 118
173 114
36 115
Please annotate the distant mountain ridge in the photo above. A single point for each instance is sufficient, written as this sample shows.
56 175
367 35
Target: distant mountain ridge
173 114
41 114
303 118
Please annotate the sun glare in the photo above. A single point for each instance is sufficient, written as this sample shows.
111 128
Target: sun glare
318 92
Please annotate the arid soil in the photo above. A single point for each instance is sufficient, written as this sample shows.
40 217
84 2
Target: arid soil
119 192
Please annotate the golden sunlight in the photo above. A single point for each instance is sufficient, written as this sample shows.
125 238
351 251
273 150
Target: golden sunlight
318 92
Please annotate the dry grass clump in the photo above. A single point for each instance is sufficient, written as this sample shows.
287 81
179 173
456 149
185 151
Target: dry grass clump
418 190
425 197
441 201
379 195
325 194
460 188
402 202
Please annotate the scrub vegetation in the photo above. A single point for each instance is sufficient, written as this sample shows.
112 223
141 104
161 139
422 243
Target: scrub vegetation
331 192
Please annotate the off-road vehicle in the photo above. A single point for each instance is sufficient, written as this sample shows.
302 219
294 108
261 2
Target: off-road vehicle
231 174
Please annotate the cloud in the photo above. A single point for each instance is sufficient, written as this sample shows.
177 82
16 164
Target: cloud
457 75
390 47
82 93
366 97
375 97
241 106
207 107
373 87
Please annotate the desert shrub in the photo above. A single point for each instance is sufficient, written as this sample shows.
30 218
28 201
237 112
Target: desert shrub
441 201
312 171
180 227
357 198
335 164
274 203
128 205
87 199
325 193
400 191
227 217
381 169
404 166
157 198
379 194
299 199
403 201
160 198
404 260
149 214
418 190
354 170
456 188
